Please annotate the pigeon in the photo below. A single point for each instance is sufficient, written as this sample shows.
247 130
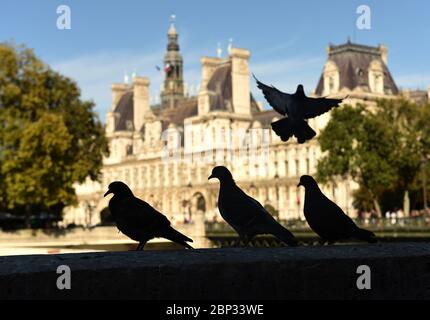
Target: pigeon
326 218
245 214
297 108
138 220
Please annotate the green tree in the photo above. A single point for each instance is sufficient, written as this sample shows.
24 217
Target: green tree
381 147
401 119
49 138
356 145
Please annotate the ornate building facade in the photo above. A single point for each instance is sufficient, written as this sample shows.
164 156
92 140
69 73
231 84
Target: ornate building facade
165 152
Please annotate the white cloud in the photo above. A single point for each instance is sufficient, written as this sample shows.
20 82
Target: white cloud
95 73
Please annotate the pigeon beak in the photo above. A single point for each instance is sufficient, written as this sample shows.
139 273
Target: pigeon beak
107 192
300 184
211 176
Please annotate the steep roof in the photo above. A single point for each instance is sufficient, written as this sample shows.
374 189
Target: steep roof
353 61
183 109
125 110
220 89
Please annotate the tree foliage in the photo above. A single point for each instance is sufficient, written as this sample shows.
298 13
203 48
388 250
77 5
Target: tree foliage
49 138
381 147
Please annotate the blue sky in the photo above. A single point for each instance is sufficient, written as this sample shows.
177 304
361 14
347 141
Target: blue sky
287 39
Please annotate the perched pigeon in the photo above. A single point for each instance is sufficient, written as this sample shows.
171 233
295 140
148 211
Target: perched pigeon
326 218
138 220
296 107
245 214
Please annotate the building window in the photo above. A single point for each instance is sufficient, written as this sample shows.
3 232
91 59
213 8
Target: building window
129 150
307 166
377 81
331 84
297 168
286 169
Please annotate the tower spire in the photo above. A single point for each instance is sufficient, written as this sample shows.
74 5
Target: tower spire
173 68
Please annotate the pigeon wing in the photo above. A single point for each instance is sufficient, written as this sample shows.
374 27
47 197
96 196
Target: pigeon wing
241 209
313 107
142 215
336 221
277 99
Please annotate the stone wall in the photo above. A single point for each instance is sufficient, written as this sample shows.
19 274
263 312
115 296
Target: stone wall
398 271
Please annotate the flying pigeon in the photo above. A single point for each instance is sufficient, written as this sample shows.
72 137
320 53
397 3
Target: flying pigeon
245 214
138 220
326 218
297 108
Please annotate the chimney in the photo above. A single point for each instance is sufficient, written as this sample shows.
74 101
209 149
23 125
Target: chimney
118 89
240 80
140 101
209 66
384 53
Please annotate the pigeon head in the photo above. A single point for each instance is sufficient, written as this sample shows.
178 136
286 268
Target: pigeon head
222 173
300 89
307 181
118 188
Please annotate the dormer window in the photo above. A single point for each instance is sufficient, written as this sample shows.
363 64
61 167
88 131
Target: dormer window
376 77
331 78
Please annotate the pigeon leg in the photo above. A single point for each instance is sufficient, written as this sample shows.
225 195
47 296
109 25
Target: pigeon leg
237 242
321 241
141 245
245 240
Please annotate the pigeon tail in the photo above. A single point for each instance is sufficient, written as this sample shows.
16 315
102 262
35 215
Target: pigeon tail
304 132
365 235
175 236
283 128
284 235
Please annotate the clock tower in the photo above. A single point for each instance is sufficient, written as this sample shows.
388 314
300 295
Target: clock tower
173 89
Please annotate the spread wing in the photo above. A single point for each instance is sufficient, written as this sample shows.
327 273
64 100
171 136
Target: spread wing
314 107
276 98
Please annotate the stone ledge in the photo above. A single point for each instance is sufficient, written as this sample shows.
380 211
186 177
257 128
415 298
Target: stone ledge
399 271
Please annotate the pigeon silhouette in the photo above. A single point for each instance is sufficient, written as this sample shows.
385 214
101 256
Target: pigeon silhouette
297 108
245 214
138 220
326 218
